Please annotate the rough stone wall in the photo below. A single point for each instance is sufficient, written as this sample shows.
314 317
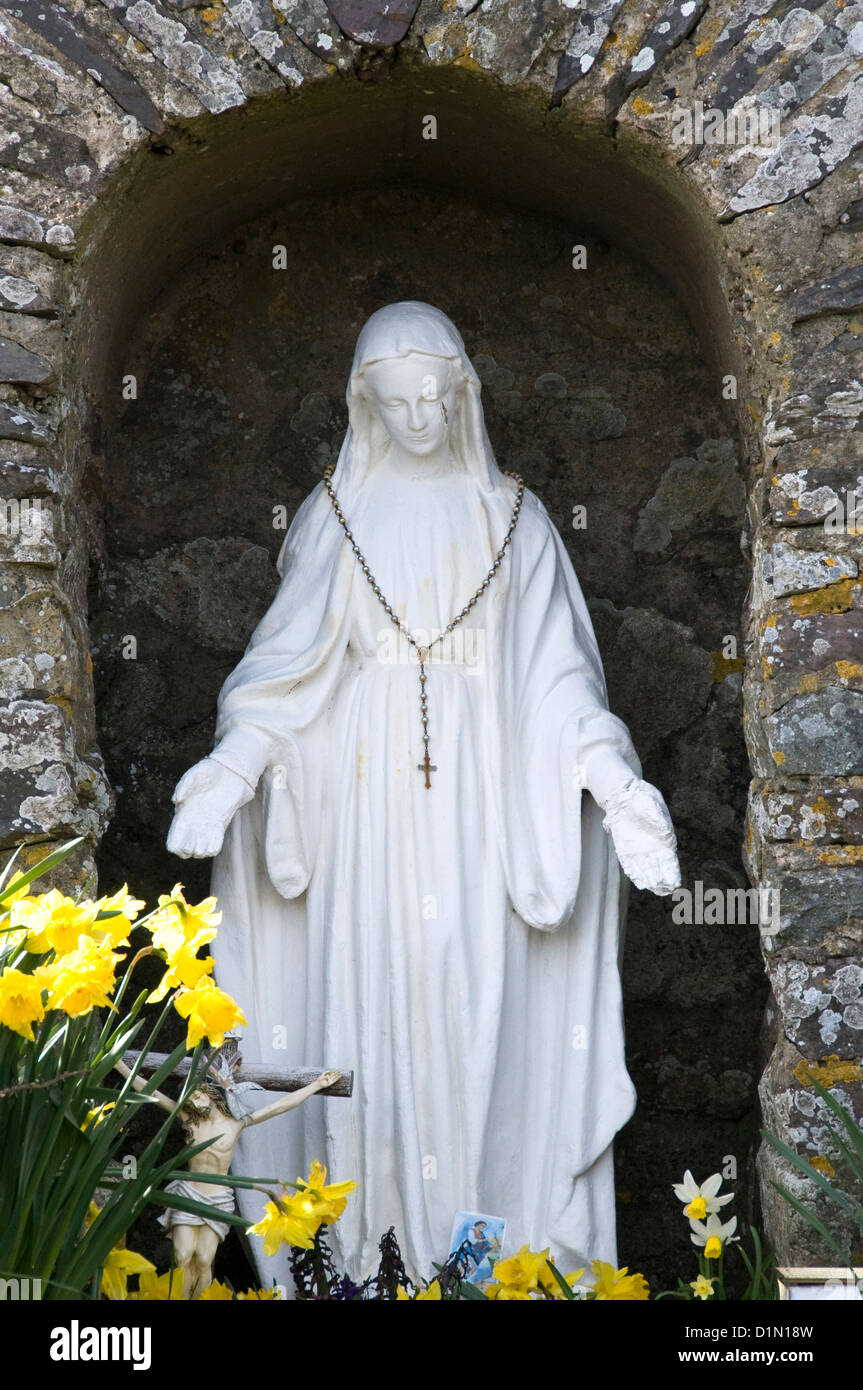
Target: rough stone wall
93 91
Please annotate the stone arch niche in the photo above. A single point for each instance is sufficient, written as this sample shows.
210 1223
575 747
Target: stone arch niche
147 236
240 373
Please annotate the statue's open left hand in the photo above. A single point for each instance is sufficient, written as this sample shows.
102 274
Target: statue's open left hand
206 799
644 838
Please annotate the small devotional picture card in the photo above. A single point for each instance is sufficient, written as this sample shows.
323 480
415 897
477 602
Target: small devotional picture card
478 1238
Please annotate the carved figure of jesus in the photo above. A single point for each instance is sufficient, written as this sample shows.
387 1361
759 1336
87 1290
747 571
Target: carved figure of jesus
418 854
206 1116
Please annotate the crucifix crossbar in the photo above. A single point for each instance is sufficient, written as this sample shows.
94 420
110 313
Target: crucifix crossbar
267 1077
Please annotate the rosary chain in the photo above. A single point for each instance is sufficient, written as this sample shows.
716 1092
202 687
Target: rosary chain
423 651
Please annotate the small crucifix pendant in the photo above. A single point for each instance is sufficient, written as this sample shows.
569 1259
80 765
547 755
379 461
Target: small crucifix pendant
426 766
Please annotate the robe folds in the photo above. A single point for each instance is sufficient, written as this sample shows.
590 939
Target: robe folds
456 947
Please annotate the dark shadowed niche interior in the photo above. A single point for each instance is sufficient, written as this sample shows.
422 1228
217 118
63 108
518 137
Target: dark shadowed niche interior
601 386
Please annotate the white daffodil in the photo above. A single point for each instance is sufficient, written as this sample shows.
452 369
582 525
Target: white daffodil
702 1287
712 1234
702 1201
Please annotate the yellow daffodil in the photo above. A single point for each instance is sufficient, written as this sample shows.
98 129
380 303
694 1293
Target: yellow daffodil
523 1268
97 1115
282 1225
701 1201
159 1288
712 1234
216 1292
617 1285
119 1264
174 941
185 969
296 1218
702 1287
549 1285
21 1001
80 980
13 939
123 902
115 930
92 1213
430 1295
63 926
17 893
322 1199
175 923
33 916
259 1295
210 1012
29 915
517 1277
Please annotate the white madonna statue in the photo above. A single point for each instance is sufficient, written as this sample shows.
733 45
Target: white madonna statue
414 884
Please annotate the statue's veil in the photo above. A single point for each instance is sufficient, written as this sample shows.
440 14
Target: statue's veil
394 331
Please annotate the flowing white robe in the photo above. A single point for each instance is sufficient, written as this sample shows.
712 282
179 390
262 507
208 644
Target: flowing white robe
457 947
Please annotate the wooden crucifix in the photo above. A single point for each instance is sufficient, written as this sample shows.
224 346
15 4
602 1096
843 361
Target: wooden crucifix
217 1110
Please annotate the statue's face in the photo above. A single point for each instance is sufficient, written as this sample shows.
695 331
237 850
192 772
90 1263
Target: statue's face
416 400
198 1103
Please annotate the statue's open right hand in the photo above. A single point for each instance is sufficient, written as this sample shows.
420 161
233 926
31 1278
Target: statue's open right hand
206 799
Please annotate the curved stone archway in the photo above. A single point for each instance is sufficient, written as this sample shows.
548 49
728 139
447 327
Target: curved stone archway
147 131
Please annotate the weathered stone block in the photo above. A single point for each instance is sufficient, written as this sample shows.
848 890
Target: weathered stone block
19 365
47 150
824 814
37 784
76 875
820 1006
18 423
806 155
27 531
818 640
811 495
94 57
795 571
820 734
372 23
840 293
795 1114
35 638
170 42
39 269
23 227
815 912
26 468
819 410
